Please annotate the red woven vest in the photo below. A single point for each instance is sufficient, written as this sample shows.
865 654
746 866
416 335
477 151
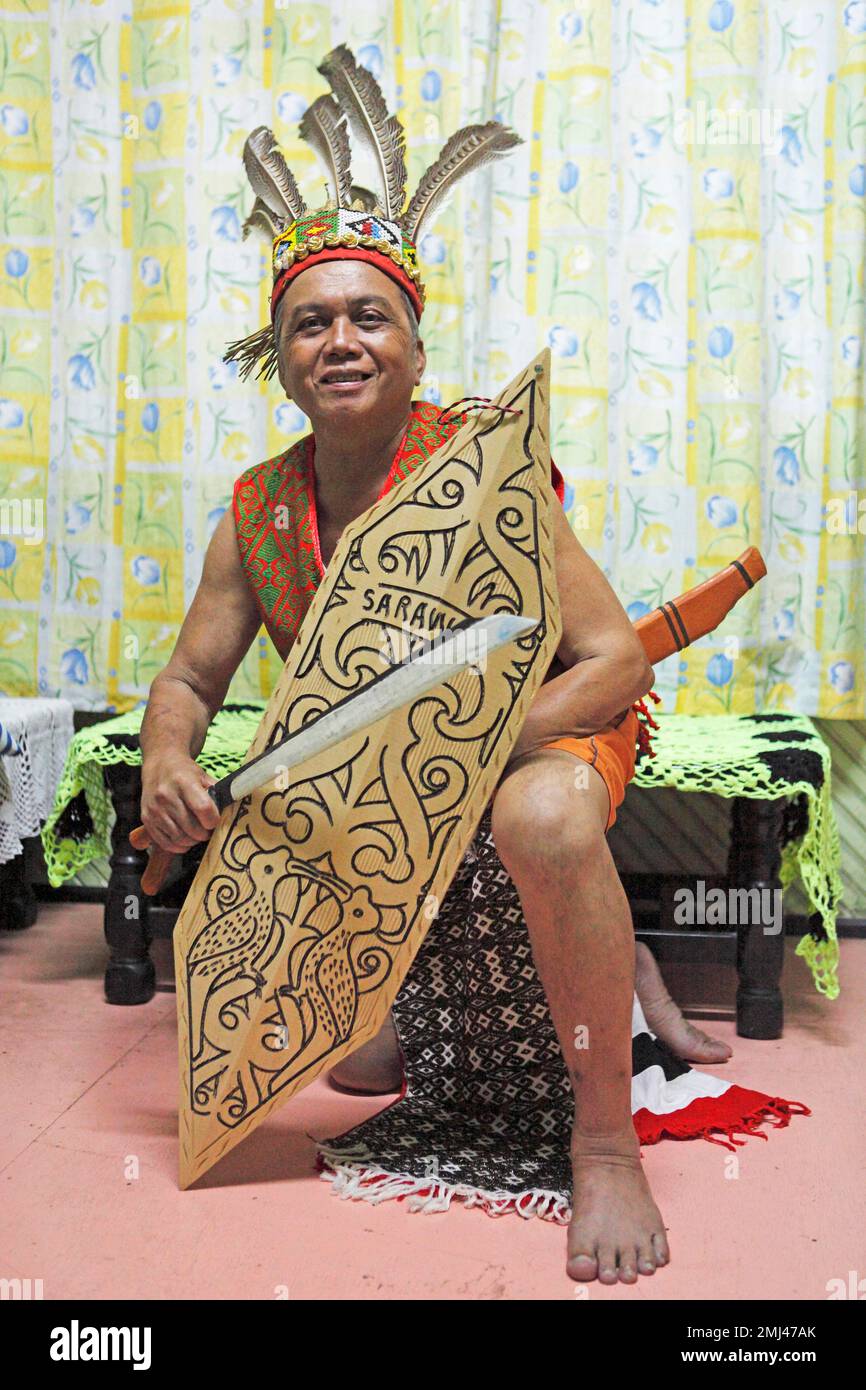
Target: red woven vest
274 508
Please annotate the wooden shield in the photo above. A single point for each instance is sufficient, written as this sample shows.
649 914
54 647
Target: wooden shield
316 891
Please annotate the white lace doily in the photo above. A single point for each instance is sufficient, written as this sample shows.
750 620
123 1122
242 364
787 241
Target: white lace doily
43 730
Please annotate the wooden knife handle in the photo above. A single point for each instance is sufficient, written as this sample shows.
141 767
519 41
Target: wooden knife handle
159 861
158 864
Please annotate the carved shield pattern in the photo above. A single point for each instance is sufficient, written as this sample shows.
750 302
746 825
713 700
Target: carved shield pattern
316 891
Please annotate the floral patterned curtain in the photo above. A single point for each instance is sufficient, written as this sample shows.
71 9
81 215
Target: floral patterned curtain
684 226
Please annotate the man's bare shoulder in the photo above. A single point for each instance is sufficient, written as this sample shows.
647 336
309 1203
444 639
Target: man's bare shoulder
251 491
222 620
594 621
274 467
222 559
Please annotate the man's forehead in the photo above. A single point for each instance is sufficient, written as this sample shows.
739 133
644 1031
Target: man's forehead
354 301
341 282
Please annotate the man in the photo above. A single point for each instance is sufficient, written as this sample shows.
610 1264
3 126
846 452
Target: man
350 358
345 306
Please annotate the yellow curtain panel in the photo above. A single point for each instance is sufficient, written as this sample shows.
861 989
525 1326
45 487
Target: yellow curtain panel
684 227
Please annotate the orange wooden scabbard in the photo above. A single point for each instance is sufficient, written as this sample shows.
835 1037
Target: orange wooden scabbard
683 620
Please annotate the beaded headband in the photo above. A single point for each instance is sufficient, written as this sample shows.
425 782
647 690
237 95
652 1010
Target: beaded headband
355 223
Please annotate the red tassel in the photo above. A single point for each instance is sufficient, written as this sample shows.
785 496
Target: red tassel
737 1111
645 723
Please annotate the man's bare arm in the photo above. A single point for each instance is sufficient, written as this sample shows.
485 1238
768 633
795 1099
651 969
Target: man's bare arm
605 664
216 634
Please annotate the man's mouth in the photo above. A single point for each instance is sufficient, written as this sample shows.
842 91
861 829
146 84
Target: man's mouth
346 381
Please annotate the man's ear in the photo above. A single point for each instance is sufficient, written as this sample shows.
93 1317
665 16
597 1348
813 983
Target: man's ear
281 372
282 376
420 361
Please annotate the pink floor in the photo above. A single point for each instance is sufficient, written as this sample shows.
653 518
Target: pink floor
89 1094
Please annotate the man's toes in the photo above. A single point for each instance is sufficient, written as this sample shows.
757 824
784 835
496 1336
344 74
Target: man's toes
581 1262
646 1260
661 1248
628 1266
713 1049
608 1264
582 1266
709 1052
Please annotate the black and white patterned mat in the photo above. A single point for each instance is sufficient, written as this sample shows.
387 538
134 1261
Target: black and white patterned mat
486 1110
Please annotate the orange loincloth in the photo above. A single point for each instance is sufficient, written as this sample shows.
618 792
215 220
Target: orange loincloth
612 753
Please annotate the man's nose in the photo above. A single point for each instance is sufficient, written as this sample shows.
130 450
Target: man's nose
342 335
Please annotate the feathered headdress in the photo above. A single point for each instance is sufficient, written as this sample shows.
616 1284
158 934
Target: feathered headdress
355 223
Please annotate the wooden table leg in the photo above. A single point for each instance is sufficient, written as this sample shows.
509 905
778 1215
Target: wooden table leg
18 905
754 860
129 975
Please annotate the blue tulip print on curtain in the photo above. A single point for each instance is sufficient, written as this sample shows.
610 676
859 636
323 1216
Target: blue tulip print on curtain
684 227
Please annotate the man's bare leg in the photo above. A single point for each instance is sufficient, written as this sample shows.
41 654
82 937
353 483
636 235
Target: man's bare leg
376 1067
549 833
665 1017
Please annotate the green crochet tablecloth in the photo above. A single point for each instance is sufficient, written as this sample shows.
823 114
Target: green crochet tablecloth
763 756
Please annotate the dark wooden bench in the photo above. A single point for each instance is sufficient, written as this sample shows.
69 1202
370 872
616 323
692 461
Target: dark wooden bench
757 831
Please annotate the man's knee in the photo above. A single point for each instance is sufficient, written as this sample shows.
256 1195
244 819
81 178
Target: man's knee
543 818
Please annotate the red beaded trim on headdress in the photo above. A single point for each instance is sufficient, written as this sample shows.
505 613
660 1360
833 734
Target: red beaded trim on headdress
375 258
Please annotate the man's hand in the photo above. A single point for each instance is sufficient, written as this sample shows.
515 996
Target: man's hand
176 810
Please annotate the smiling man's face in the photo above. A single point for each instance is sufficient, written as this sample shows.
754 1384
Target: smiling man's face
347 354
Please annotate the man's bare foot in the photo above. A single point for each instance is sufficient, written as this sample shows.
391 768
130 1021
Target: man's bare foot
665 1017
376 1068
616 1230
